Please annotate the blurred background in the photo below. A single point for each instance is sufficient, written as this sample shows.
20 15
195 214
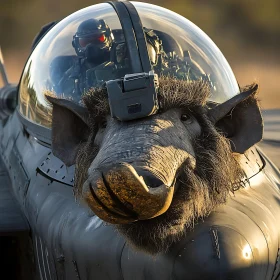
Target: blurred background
246 31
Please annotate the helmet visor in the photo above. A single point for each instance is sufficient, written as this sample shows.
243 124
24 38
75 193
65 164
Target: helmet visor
93 39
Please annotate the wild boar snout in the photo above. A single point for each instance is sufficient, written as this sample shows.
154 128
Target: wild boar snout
157 145
134 173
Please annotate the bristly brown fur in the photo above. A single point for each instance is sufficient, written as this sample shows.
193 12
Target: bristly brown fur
175 93
252 99
87 153
185 94
96 101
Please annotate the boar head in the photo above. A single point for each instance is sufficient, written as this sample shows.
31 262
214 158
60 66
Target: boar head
155 177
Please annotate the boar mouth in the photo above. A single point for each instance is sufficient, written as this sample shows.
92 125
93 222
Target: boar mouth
119 195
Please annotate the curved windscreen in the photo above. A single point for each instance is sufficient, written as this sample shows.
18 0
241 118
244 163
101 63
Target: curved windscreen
191 54
88 48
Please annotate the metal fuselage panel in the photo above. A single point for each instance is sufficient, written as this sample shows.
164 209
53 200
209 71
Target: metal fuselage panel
239 239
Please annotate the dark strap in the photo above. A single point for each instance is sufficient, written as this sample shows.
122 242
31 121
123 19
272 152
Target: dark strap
129 35
139 34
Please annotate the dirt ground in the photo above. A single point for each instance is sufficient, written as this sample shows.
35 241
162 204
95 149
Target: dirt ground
266 74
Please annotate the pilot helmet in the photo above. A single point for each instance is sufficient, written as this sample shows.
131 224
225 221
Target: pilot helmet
93 40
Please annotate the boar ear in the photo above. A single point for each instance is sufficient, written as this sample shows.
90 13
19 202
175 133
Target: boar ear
69 128
240 119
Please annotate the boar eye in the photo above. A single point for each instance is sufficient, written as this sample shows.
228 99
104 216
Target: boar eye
185 117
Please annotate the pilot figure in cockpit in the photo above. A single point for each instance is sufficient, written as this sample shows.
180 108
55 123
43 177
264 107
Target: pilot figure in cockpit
92 42
102 57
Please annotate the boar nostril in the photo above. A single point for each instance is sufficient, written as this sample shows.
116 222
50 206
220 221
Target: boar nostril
150 179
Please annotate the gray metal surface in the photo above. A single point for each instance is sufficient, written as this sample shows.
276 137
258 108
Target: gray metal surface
240 240
53 168
271 140
12 219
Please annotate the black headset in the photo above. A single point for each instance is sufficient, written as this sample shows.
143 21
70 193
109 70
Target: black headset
134 96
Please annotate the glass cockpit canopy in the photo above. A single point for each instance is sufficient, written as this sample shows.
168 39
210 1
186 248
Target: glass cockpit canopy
88 48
